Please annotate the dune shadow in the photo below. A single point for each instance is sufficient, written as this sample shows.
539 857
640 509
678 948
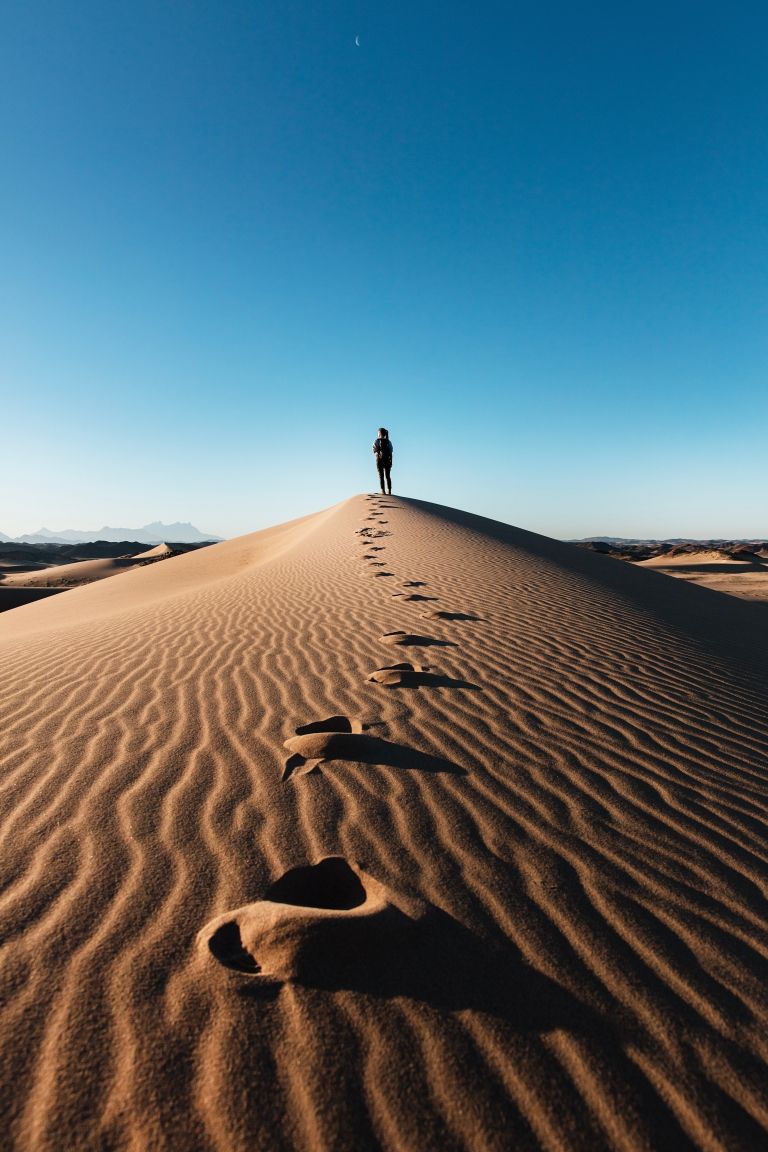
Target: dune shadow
710 569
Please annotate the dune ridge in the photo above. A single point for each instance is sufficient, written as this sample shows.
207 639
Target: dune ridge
575 804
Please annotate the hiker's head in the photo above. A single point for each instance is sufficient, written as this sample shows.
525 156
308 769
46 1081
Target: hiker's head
383 432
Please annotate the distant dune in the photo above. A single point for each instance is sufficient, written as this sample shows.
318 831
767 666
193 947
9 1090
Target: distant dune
736 568
69 575
391 827
685 559
22 581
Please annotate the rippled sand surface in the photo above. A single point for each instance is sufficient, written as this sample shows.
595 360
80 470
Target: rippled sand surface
389 827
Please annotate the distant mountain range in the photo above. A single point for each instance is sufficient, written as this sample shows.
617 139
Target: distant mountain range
747 551
711 542
156 533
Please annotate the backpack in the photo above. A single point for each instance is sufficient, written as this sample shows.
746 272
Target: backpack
384 448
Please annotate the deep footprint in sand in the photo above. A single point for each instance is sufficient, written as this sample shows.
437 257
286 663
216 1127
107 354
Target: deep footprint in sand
340 738
415 676
377 574
438 614
312 922
408 639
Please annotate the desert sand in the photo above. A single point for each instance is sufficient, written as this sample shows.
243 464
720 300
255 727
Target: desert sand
717 571
388 827
82 571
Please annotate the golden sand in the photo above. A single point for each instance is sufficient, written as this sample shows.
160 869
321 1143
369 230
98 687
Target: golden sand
389 827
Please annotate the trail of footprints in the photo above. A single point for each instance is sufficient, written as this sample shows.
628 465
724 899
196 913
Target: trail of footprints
332 901
342 738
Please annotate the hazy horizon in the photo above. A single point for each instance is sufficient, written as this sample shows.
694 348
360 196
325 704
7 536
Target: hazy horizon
213 534
530 241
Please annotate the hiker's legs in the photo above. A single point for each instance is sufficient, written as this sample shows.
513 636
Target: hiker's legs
387 469
381 466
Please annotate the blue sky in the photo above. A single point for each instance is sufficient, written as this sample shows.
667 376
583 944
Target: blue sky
530 238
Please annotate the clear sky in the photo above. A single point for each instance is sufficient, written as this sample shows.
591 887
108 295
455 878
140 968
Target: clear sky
530 238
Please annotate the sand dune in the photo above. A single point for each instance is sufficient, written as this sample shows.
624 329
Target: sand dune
389 827
83 571
717 571
686 559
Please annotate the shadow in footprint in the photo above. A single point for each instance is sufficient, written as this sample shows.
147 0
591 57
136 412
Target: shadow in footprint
416 596
437 614
310 749
406 676
414 583
410 639
377 574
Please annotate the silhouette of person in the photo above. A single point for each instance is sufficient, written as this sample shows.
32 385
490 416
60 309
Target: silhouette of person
382 450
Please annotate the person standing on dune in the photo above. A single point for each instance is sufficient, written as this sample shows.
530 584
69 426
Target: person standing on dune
382 450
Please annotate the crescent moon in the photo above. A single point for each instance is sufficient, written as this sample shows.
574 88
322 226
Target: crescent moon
357 41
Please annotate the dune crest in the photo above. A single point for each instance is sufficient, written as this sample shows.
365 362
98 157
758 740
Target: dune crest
269 883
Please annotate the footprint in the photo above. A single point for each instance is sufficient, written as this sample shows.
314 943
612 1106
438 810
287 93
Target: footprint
312 745
414 583
377 564
312 923
331 925
406 639
415 676
437 614
416 596
377 574
301 765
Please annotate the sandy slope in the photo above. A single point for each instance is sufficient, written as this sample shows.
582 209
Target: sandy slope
82 571
546 926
